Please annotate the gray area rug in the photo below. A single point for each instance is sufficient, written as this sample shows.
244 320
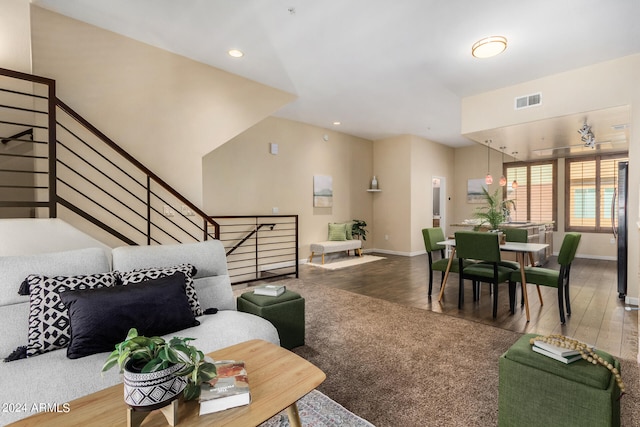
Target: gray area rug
401 366
317 410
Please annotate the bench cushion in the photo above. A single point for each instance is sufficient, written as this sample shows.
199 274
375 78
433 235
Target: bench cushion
335 246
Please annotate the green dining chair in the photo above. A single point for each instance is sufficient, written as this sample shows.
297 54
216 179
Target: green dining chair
483 247
554 278
431 238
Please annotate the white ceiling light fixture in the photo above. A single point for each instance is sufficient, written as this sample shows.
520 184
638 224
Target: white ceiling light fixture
489 46
587 136
235 53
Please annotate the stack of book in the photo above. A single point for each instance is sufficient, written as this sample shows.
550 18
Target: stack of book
229 389
561 354
270 290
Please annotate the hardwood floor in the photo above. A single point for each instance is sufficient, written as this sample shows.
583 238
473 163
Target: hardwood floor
598 315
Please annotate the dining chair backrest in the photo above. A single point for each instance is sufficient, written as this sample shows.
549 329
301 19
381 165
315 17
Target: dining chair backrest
519 235
431 238
569 248
478 245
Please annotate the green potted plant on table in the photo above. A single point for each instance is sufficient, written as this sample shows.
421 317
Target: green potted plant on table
151 363
495 213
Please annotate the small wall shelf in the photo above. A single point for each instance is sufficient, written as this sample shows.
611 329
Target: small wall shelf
370 190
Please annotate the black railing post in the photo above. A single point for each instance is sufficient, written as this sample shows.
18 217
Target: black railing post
257 252
148 210
53 190
297 246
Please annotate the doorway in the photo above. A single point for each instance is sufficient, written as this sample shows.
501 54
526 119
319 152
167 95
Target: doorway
438 187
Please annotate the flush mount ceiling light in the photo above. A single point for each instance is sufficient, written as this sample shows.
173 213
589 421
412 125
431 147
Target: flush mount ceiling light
235 53
489 46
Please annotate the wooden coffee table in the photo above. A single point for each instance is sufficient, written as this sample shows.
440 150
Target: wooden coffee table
277 378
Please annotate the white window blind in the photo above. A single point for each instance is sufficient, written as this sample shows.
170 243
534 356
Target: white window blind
591 186
534 195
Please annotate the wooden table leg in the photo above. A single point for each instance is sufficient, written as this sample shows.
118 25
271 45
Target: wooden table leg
294 416
446 273
521 256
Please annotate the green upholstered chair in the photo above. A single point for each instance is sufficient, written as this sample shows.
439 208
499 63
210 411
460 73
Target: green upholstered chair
483 247
554 278
431 238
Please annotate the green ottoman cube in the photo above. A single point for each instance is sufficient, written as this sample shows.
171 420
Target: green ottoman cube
536 390
286 312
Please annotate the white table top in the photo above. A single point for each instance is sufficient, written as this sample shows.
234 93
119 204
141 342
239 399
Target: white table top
508 246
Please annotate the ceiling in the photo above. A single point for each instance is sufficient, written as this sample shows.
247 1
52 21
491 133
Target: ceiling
384 68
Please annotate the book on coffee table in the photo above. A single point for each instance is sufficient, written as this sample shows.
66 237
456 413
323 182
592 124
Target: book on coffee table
270 290
229 389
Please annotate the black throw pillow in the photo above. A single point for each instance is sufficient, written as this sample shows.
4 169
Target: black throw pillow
101 318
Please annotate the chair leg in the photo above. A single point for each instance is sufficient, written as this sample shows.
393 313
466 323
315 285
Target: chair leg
512 297
567 299
495 300
460 291
430 281
561 303
539 295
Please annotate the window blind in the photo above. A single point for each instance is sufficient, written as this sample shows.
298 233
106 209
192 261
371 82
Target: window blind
591 185
534 195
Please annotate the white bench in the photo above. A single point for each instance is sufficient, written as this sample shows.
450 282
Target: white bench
335 246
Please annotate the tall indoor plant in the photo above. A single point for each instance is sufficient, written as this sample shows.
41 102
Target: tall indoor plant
495 212
144 359
358 229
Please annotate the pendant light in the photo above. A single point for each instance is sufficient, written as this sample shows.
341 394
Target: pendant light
503 179
488 179
514 184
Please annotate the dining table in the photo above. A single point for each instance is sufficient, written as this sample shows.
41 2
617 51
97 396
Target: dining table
519 248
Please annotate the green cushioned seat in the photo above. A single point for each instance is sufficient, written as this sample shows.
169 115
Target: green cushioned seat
431 237
485 248
286 312
535 390
554 278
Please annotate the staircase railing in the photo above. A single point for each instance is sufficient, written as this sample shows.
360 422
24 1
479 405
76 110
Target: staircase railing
260 247
70 169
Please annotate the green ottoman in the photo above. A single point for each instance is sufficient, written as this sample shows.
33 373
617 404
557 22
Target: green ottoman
286 312
535 390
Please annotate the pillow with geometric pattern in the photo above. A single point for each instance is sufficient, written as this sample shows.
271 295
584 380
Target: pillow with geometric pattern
137 276
48 316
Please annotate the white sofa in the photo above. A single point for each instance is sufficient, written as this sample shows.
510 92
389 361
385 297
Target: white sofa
52 379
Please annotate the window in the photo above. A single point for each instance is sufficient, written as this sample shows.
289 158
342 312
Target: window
535 192
590 188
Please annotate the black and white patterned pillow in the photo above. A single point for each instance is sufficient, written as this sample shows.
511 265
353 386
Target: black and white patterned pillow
48 316
137 276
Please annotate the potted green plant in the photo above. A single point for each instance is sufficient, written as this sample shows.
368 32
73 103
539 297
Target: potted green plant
358 229
494 212
152 363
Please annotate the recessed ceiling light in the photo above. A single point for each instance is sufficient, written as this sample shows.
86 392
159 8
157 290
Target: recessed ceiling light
236 53
489 46
337 123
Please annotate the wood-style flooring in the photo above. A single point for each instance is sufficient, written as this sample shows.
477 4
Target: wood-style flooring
598 315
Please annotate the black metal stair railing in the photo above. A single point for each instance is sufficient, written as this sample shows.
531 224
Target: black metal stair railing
54 163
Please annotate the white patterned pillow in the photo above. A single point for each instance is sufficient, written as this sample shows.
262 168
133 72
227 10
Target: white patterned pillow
48 316
137 276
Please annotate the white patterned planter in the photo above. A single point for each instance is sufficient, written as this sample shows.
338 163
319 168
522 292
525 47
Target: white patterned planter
152 390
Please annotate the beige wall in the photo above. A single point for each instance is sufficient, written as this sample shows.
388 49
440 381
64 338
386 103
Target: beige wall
15 35
164 109
241 177
428 160
404 167
392 206
603 85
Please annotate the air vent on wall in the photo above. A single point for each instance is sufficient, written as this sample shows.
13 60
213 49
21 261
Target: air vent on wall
528 101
